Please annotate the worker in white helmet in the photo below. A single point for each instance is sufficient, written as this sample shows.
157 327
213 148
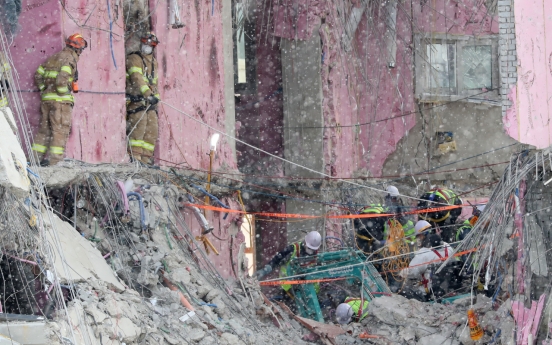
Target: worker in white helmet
393 200
352 309
422 230
308 247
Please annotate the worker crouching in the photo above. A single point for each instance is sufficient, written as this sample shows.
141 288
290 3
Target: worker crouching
142 98
56 79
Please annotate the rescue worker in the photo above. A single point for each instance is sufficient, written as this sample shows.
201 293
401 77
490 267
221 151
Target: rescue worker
352 309
369 232
56 79
142 98
420 270
422 231
309 247
4 85
393 202
468 224
439 197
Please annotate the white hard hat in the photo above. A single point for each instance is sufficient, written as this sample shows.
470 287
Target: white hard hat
313 240
420 226
344 313
393 191
480 208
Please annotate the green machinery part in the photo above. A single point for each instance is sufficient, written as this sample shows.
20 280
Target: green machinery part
349 264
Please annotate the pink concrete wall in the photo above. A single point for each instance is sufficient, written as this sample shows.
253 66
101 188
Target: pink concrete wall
192 80
97 134
455 17
532 111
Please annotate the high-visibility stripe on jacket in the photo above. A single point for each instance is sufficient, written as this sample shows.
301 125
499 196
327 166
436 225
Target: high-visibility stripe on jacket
285 267
141 75
373 209
463 230
54 77
360 310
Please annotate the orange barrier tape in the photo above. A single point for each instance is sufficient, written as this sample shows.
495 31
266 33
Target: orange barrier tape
297 282
307 216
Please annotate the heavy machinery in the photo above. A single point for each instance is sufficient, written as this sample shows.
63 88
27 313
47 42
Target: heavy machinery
347 264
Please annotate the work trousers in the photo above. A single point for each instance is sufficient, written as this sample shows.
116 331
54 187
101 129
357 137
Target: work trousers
53 130
142 130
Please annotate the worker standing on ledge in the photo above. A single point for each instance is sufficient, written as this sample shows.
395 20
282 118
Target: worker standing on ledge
142 98
57 80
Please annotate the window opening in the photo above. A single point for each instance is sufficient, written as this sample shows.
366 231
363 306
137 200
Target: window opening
442 60
477 67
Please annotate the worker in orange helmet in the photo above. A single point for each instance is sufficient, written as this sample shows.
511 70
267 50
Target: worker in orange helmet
57 81
142 98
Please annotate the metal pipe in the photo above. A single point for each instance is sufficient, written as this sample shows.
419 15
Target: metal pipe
211 156
142 210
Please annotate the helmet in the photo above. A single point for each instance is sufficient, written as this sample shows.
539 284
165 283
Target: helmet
420 226
76 41
393 191
434 240
344 313
313 240
150 39
480 208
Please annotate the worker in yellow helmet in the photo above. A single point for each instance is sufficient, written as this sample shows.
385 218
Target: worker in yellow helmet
56 79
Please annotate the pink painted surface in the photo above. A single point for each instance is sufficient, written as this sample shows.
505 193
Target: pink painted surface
39 38
296 19
511 120
533 19
366 91
191 79
97 133
467 211
455 17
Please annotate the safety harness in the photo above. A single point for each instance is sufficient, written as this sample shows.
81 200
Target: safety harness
139 98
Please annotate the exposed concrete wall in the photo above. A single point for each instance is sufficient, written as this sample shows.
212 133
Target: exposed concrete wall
528 119
476 128
301 62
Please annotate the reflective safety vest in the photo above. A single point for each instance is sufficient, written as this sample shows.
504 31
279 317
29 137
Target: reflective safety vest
55 76
450 197
463 230
285 267
359 311
371 209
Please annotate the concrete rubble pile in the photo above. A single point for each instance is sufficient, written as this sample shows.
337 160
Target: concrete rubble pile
397 320
124 297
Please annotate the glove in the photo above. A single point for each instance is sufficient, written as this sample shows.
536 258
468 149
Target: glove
263 272
153 100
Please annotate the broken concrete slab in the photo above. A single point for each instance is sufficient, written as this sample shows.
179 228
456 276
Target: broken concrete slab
28 333
81 261
13 163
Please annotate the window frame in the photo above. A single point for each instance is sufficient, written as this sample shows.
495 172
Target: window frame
421 60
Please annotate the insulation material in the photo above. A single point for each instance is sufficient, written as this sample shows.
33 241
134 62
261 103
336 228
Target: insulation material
13 173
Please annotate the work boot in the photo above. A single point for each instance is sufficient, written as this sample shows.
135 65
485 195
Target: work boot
45 163
147 160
